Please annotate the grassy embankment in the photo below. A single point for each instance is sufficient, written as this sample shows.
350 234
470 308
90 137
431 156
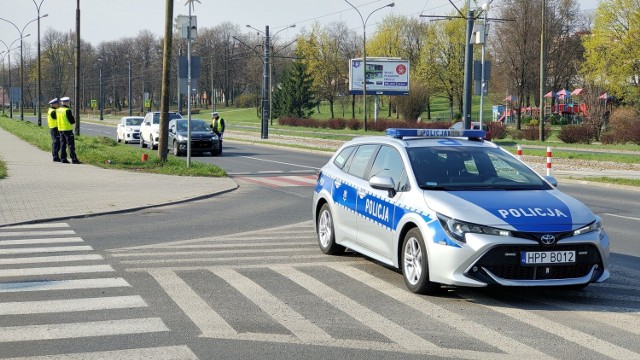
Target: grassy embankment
99 150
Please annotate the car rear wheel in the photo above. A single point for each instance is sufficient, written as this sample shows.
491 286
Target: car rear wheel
326 234
415 267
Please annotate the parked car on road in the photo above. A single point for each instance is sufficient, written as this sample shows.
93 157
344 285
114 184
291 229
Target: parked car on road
203 140
475 125
128 129
150 129
448 208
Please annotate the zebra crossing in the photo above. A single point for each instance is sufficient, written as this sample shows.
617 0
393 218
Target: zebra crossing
297 295
49 279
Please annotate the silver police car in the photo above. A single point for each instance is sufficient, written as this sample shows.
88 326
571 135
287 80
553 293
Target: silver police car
448 208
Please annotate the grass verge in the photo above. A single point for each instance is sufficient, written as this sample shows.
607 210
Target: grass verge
3 170
608 180
107 153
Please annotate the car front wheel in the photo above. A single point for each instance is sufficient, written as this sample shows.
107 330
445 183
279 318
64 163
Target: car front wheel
326 234
118 137
415 266
142 143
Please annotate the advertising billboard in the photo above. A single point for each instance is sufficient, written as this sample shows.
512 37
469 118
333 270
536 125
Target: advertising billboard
384 76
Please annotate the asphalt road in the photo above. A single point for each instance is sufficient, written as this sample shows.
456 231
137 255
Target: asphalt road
240 276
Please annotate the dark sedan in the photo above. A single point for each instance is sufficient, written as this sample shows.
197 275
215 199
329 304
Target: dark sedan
203 140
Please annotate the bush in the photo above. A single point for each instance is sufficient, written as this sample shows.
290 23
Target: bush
354 124
530 133
246 100
608 138
296 121
336 124
576 134
625 125
498 130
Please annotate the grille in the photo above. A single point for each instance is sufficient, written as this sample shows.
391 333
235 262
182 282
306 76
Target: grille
504 262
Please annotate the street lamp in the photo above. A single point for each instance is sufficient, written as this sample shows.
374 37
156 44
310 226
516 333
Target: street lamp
266 85
364 56
21 63
39 87
271 73
9 49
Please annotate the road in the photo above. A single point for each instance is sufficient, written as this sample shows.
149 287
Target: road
240 276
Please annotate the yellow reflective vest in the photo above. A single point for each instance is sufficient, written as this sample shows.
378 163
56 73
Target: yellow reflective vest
63 121
53 123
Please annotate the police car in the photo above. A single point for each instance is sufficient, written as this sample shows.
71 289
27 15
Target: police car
448 208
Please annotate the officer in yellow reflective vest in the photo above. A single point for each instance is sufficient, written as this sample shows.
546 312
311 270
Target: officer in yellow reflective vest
53 129
65 127
217 126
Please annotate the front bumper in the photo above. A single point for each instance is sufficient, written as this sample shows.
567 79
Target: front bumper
200 146
491 260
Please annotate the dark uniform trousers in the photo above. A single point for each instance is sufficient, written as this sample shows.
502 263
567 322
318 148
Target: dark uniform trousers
55 143
67 139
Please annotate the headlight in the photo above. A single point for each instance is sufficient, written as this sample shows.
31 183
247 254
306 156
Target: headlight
594 226
181 138
457 229
129 129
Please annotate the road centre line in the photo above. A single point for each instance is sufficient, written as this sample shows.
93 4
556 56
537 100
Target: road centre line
71 305
622 217
166 353
281 162
96 283
81 330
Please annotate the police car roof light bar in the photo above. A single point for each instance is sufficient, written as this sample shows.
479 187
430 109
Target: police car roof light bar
435 133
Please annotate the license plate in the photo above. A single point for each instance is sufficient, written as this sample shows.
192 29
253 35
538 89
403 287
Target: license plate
547 257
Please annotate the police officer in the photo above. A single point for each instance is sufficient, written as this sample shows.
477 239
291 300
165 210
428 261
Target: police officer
65 127
217 125
53 129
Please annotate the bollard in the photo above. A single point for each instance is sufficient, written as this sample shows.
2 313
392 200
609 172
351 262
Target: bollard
519 152
145 157
548 160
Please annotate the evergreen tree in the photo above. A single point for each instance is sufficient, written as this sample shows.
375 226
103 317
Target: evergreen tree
294 95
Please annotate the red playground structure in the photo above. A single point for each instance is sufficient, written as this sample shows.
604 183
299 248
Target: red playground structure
569 106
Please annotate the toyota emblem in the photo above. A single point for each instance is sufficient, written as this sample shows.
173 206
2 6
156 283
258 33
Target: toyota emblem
548 239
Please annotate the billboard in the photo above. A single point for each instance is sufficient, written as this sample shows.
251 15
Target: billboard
384 76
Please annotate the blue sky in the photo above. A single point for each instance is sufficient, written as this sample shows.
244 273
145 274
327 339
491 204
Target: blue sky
105 20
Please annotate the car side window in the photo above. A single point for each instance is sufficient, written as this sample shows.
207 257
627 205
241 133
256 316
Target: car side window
360 160
343 156
388 162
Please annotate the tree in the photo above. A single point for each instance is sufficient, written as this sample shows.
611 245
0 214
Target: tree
294 96
612 52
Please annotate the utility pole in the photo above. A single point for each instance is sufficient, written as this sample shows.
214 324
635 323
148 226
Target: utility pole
166 81
76 107
265 86
542 69
468 69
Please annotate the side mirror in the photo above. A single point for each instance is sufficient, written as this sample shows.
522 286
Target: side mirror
383 183
553 181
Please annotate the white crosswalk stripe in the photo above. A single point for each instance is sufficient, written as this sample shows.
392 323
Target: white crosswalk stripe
41 262
237 259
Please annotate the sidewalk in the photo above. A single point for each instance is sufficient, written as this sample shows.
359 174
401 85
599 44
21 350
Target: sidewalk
38 189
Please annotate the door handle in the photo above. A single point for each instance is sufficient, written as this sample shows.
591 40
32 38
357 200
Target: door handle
361 193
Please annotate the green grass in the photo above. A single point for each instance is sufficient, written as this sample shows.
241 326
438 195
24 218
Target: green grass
107 153
617 181
3 170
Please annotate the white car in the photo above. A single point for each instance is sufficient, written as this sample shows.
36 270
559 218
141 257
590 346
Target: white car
446 207
128 129
150 129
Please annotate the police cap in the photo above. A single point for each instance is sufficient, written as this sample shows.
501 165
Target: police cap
53 101
65 99
215 113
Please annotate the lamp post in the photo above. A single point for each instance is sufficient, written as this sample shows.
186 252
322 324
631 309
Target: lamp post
264 129
9 49
3 53
129 99
485 9
38 90
364 56
21 63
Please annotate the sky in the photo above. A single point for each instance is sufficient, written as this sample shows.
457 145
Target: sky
108 20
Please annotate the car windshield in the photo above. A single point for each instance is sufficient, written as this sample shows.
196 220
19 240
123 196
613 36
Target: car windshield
196 125
134 121
471 168
156 117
